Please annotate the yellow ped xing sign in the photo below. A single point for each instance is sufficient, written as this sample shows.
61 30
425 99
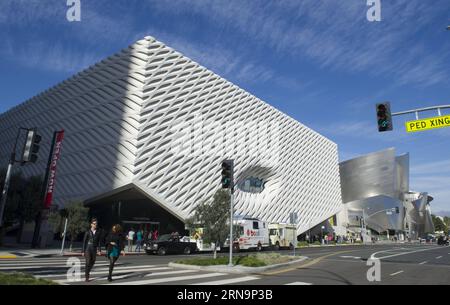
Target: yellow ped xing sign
427 124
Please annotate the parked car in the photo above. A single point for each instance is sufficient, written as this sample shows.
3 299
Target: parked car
443 241
170 244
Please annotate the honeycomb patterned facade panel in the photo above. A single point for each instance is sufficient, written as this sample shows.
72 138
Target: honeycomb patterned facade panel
153 118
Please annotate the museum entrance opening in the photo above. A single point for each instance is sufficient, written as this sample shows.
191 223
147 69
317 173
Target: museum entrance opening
132 209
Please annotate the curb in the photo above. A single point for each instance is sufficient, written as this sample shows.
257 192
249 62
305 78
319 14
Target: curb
102 254
237 269
7 255
324 246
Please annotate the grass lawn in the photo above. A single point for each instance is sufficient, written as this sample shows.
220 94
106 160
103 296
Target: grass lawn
251 260
22 279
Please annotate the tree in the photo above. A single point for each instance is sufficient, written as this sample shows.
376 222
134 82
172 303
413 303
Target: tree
439 225
447 221
56 219
78 220
213 217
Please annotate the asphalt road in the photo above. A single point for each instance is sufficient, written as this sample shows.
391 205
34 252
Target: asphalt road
399 264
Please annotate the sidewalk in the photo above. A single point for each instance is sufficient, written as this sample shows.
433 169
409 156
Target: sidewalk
11 249
77 252
381 242
17 251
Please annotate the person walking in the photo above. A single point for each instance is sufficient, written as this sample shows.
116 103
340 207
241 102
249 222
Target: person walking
114 247
139 237
155 235
150 236
130 238
91 247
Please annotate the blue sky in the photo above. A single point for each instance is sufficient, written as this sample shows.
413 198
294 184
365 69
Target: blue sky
320 61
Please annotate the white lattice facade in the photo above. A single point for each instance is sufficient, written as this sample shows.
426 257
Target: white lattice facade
154 119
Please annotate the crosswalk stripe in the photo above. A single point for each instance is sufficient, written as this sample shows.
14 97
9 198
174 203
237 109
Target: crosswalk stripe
116 271
31 260
169 279
171 272
129 267
95 279
298 283
229 281
117 277
38 267
40 264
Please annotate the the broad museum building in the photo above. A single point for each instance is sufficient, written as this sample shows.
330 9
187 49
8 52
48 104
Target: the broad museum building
146 131
376 196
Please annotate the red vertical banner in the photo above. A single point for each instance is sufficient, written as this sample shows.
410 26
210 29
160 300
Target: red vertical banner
56 153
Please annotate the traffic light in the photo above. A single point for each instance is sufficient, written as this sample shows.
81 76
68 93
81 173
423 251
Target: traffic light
31 147
397 210
227 174
384 117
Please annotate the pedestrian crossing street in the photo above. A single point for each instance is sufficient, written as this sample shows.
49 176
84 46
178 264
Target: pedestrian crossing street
125 273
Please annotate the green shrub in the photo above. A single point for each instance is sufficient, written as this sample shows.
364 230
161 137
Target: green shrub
302 244
252 260
22 279
221 260
272 258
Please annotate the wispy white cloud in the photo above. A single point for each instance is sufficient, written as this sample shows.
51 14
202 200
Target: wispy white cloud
50 57
335 34
432 168
31 12
76 49
224 61
433 177
362 130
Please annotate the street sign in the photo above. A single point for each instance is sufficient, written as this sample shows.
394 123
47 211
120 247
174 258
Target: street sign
427 124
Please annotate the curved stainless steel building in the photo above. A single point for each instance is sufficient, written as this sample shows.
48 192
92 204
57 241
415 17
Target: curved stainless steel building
375 189
418 214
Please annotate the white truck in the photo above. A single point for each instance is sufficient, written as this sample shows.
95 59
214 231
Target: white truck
252 233
282 235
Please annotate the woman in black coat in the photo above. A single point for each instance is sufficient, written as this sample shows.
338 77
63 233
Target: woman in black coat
114 247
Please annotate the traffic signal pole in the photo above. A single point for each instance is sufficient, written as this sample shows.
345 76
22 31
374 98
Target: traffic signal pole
12 160
416 111
230 263
5 189
228 183
384 115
